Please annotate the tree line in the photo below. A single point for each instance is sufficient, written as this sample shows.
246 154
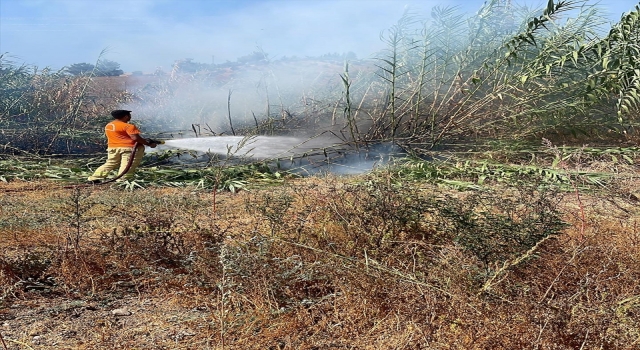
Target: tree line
103 68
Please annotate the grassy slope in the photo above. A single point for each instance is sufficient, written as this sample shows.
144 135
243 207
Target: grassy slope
307 264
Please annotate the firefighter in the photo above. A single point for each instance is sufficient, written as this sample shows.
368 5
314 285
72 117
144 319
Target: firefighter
122 137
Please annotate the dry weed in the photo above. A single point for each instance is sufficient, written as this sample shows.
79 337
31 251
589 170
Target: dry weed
317 264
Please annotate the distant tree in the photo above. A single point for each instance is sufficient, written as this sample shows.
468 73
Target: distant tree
108 68
289 58
188 65
349 56
79 69
255 57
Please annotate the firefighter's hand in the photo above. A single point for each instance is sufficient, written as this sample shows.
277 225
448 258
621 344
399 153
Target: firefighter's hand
150 143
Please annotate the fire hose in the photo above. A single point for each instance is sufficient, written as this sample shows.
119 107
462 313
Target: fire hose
129 163
121 174
126 169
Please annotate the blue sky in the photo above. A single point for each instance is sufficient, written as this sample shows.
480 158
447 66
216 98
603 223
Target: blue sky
145 34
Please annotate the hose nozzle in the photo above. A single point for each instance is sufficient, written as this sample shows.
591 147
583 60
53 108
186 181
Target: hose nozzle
157 142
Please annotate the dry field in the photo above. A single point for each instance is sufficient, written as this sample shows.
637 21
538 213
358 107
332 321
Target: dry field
315 263
472 254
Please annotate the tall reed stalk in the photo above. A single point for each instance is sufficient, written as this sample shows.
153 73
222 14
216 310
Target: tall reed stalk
348 111
507 72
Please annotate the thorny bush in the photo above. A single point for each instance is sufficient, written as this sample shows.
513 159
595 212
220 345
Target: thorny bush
497 228
380 219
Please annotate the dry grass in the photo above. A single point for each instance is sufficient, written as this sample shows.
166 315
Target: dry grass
317 263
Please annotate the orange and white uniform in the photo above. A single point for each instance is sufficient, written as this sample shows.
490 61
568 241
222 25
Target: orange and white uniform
118 134
119 149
